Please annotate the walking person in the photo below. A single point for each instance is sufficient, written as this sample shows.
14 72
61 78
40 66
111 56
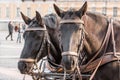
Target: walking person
19 34
23 27
16 28
10 29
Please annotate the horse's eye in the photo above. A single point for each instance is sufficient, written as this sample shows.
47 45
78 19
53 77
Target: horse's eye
59 35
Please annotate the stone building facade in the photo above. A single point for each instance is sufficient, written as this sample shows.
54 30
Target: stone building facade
10 9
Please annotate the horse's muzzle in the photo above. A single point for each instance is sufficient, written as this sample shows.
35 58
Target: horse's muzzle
22 67
69 60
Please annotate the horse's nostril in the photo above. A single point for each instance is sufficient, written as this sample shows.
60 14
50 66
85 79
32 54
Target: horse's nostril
22 67
25 66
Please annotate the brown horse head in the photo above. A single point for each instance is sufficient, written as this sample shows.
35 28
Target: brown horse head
71 35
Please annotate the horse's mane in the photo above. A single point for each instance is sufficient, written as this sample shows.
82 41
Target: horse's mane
51 20
97 17
96 14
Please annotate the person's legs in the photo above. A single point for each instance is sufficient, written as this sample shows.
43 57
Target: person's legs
11 37
19 38
7 36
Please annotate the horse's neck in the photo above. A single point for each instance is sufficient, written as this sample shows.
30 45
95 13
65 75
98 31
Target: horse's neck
96 28
55 48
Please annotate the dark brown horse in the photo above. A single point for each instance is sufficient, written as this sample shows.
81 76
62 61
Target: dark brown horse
38 37
98 41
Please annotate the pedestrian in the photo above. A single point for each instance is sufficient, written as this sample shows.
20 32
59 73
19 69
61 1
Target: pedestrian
10 29
19 34
16 28
23 27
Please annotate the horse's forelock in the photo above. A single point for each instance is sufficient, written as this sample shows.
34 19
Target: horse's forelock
51 21
70 14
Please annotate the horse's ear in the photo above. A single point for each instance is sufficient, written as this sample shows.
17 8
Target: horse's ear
38 17
58 10
26 19
83 9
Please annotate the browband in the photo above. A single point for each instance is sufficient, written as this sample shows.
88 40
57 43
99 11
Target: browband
35 29
72 21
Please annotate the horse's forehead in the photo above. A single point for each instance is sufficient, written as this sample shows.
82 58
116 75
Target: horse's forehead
71 11
33 20
70 14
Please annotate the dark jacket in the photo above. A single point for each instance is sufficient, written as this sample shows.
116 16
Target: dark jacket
10 28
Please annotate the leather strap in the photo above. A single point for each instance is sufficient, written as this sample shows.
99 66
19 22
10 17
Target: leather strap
72 21
68 53
104 44
105 59
36 29
27 60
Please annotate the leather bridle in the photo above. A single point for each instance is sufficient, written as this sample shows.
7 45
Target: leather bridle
42 45
76 54
46 40
77 21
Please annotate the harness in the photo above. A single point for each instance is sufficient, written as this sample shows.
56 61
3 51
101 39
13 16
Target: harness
91 65
44 41
42 45
94 64
106 57
34 61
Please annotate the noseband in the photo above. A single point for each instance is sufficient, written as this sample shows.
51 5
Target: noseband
42 45
82 37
